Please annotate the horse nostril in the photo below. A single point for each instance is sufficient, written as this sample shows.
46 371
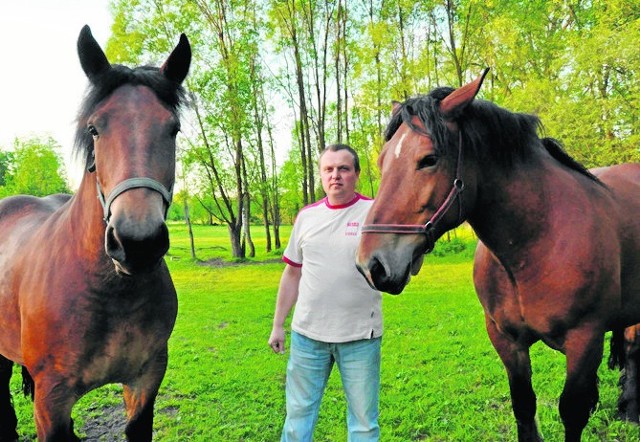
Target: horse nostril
136 246
376 267
112 245
378 272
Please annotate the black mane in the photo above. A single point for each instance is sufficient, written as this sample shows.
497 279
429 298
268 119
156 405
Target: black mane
169 92
513 135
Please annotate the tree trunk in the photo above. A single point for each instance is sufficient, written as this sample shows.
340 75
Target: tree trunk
235 235
246 224
246 212
187 219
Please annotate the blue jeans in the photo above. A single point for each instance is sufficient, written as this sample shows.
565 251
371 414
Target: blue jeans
309 367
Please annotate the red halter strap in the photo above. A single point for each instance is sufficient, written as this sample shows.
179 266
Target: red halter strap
428 228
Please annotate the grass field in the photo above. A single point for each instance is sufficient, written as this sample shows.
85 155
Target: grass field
441 378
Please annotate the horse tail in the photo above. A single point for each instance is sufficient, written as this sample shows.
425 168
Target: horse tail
28 386
617 356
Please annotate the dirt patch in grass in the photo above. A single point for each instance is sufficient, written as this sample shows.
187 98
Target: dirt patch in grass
107 427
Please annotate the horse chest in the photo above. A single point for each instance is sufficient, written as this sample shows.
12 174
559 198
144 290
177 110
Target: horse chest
125 349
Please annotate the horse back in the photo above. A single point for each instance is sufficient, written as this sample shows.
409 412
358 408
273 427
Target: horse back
22 207
624 182
20 217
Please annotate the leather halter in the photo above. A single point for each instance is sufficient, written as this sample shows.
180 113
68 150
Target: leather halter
428 229
128 184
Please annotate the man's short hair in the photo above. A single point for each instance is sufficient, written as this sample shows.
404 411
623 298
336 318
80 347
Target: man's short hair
338 147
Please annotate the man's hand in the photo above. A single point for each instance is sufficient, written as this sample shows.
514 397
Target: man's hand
276 340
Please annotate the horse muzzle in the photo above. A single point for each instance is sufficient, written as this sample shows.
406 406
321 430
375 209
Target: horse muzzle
136 248
389 269
136 237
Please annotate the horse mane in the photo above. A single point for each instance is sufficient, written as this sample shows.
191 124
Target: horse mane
555 149
168 92
513 136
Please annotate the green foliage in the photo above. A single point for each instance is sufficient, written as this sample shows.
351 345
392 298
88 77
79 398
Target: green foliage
34 167
6 159
290 193
453 246
576 66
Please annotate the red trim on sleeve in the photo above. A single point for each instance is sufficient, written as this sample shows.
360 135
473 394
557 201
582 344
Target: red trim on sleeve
291 263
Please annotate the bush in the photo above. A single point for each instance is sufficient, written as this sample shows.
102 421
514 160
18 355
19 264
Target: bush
454 246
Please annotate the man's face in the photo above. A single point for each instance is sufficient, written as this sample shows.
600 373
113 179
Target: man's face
338 176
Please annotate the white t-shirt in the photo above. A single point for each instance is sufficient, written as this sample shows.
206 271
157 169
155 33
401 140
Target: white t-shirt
335 303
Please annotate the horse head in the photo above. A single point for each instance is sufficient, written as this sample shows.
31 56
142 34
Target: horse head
424 188
127 130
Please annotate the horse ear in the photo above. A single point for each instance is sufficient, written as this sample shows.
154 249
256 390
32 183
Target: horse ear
395 107
92 59
459 99
176 67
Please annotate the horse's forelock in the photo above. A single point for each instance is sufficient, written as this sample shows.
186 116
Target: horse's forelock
426 108
168 92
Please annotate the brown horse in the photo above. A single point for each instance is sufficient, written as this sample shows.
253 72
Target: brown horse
559 257
85 296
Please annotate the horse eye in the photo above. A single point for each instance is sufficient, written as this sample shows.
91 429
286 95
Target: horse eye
428 161
92 130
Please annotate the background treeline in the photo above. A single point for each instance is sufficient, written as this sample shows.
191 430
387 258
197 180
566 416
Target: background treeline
274 81
33 166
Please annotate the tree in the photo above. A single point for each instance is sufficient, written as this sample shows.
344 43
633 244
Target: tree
34 168
6 158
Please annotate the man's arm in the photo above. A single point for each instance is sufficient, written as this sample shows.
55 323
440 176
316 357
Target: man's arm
287 297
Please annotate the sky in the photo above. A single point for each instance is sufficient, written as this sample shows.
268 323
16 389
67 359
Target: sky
41 81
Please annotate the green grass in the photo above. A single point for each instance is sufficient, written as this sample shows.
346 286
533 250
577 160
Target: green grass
441 378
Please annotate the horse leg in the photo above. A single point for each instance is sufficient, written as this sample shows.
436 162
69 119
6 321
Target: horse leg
53 402
630 390
139 399
583 348
8 420
628 402
516 361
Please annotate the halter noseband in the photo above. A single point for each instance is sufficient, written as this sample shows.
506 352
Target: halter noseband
128 184
428 229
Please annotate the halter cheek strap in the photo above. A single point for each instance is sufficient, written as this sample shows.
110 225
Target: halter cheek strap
428 229
132 183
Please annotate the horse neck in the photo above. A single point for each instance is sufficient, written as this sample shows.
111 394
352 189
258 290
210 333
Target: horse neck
521 208
86 216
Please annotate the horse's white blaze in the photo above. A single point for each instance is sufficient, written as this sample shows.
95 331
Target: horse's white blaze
398 150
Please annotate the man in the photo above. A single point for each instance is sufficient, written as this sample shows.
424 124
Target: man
338 317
